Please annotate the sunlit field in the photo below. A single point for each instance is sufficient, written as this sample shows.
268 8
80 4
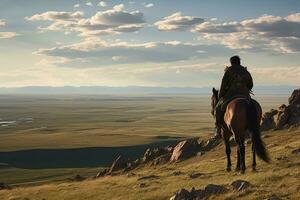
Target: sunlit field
45 138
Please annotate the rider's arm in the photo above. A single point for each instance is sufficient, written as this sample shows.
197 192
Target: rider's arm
224 85
250 81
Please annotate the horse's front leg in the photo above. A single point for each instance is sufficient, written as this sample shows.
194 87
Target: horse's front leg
228 151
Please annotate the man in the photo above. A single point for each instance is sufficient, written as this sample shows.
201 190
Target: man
236 82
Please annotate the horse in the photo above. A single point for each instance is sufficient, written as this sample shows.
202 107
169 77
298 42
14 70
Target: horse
242 116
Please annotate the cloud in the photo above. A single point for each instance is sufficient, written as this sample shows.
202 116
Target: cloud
76 6
278 75
102 4
57 16
148 5
177 22
112 21
89 4
2 22
267 32
100 53
5 34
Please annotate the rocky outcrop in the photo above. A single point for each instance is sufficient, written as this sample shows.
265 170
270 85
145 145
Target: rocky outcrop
185 149
209 191
285 116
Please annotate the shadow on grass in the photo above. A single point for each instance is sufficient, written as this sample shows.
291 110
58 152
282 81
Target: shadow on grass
74 158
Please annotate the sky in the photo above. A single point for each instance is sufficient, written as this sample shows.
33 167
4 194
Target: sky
182 43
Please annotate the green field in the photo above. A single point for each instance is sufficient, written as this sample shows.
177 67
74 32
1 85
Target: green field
46 138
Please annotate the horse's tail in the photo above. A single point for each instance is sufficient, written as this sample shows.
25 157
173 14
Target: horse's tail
254 128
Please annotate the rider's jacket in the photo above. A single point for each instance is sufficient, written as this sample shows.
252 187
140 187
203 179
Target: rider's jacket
236 81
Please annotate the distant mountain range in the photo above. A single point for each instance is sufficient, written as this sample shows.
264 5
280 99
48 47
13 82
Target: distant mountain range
281 89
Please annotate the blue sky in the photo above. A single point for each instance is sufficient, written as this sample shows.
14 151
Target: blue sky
146 43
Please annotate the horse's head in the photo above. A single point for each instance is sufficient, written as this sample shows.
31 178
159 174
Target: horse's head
214 100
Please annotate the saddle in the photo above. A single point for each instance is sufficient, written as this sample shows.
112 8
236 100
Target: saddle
227 101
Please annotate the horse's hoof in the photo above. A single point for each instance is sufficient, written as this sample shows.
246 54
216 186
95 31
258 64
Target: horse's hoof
228 169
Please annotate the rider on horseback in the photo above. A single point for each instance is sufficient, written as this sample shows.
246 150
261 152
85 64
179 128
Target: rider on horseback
236 82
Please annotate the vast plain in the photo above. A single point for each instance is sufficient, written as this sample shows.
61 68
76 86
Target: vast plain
45 138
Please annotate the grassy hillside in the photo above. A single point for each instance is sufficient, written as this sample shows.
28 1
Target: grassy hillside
280 178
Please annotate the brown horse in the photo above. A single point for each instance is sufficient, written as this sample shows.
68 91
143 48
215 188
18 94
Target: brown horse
242 116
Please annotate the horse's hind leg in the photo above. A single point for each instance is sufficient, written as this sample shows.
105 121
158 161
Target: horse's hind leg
254 158
241 147
238 163
228 152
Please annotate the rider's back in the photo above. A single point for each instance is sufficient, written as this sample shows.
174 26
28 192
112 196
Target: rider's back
236 81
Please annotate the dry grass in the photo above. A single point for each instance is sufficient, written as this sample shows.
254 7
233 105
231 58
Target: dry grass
280 178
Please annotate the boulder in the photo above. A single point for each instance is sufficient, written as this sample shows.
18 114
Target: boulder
282 116
4 186
152 154
296 151
240 185
102 172
182 194
212 189
119 164
268 122
185 149
77 177
161 159
295 98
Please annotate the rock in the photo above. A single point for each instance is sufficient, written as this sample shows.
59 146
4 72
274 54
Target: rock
182 194
195 175
161 159
295 97
102 173
177 173
282 116
142 185
268 122
273 197
152 154
4 186
119 164
212 189
185 149
284 158
78 177
148 177
296 151
240 185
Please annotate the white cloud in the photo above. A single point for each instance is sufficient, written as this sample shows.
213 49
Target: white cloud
57 16
266 32
177 22
148 5
2 22
102 4
7 35
94 50
89 4
112 21
76 6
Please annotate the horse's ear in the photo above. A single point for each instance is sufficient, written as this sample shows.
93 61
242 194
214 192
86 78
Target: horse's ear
214 90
